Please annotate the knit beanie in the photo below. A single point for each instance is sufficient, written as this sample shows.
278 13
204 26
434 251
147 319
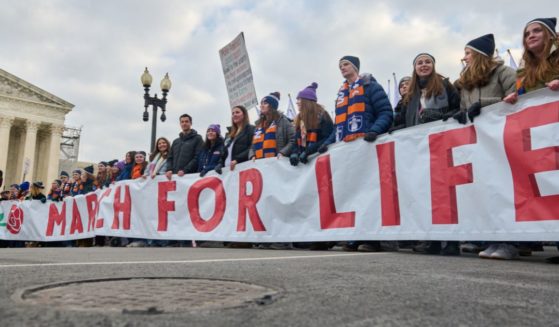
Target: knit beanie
120 165
89 169
483 44
549 23
38 184
64 173
272 99
216 128
58 182
77 171
354 61
309 92
423 54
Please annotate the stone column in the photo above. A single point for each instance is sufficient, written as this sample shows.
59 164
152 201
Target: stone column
6 123
29 148
54 153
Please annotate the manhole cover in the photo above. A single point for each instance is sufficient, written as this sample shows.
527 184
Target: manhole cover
146 295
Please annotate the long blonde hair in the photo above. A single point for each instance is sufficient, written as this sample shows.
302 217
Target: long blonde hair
536 69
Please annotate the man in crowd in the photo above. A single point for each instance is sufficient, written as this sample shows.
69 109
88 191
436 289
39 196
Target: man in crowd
363 110
182 157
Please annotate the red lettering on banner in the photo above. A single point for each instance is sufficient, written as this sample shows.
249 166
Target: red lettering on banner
329 218
91 204
524 162
125 207
198 222
247 203
58 218
163 205
445 176
389 203
76 219
99 221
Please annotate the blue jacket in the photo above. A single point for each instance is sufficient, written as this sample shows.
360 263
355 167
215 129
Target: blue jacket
209 158
378 111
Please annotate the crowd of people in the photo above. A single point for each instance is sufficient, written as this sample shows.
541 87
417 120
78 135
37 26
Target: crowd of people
363 111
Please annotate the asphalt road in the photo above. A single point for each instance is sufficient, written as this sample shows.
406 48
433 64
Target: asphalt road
330 288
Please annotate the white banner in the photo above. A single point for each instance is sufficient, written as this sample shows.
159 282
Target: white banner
238 74
497 179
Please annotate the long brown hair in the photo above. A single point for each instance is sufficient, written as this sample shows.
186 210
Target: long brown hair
234 129
163 154
536 69
434 86
478 72
310 114
265 121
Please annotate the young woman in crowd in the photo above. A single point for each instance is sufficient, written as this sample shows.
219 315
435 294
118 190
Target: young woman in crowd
274 136
540 58
55 193
430 97
313 125
239 138
210 155
116 168
76 182
403 87
103 178
139 166
36 192
87 181
158 159
126 171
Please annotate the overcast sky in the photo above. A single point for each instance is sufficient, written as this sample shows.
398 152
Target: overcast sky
92 53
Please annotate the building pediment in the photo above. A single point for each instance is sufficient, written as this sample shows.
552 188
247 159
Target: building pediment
14 88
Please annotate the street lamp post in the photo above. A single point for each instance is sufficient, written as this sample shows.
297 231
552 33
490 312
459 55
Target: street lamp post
155 102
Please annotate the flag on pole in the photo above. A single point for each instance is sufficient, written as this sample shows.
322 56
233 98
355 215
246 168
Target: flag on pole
290 112
396 97
512 63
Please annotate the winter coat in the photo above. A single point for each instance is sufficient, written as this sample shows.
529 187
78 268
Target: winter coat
241 147
501 84
126 172
411 109
399 118
378 111
285 137
209 158
41 197
183 152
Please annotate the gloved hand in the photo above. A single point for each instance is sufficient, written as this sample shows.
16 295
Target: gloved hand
218 169
203 173
294 159
303 157
474 111
323 148
370 136
44 200
461 117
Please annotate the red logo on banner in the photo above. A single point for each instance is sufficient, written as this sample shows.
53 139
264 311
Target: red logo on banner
15 219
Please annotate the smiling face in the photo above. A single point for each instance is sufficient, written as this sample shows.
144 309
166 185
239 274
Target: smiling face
64 179
534 38
265 108
162 145
211 135
139 158
237 116
424 66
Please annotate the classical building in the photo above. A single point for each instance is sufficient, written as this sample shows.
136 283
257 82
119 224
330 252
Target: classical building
31 127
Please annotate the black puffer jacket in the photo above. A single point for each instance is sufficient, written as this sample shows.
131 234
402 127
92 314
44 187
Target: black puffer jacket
183 152
241 148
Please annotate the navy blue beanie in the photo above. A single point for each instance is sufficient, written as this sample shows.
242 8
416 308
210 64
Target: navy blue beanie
423 54
549 23
272 99
483 44
352 60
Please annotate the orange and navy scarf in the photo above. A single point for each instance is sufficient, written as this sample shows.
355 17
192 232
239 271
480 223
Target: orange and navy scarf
350 112
264 142
306 137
